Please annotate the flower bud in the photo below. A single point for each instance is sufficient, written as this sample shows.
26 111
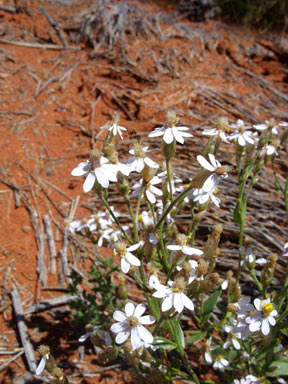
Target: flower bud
202 268
267 273
148 173
109 145
123 291
209 284
50 362
123 185
108 355
168 150
212 242
59 376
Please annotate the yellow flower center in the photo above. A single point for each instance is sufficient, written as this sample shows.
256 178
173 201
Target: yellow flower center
140 218
133 321
267 308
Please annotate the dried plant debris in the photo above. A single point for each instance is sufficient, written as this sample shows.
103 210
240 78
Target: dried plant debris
114 22
199 10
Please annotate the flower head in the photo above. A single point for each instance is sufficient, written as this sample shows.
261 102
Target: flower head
127 258
96 169
173 296
130 324
139 159
170 132
241 133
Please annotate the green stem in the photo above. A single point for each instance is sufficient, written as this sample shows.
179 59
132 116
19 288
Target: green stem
136 237
139 201
104 201
257 282
179 198
169 180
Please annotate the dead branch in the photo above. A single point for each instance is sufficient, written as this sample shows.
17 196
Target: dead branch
39 46
23 331
49 303
57 28
51 243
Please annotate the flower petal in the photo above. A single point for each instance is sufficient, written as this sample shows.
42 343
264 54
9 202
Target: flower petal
41 366
132 259
167 303
135 338
133 247
168 136
122 337
177 302
119 316
145 334
204 163
81 169
147 320
125 266
139 310
89 182
129 309
187 302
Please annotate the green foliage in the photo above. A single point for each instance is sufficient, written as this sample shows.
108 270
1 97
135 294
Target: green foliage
263 14
102 297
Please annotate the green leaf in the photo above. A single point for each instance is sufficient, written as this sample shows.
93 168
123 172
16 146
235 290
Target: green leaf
177 334
237 213
198 336
209 305
162 342
153 303
278 368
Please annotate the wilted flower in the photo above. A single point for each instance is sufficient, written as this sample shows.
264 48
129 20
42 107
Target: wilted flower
130 324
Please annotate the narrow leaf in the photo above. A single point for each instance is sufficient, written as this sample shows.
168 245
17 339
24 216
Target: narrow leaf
198 336
209 305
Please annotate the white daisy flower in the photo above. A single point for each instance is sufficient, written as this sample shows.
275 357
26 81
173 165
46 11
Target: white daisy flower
104 173
232 337
264 318
220 363
130 324
199 195
212 181
245 380
271 125
192 275
185 249
150 190
207 349
127 258
241 134
170 132
139 159
249 259
173 296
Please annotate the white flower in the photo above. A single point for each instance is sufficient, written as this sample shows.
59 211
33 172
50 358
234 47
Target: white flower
248 258
192 275
42 364
115 129
264 318
241 133
171 133
245 380
220 363
138 161
271 125
243 308
150 190
173 296
285 250
103 174
269 150
215 132
208 348
185 249
199 195
232 337
212 181
130 324
127 258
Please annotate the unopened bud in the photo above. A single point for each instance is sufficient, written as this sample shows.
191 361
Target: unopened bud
268 271
202 268
108 355
232 308
51 363
148 173
209 284
59 376
123 291
168 150
212 242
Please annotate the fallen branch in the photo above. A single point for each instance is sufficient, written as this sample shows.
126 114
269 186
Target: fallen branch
39 46
49 303
51 243
22 328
